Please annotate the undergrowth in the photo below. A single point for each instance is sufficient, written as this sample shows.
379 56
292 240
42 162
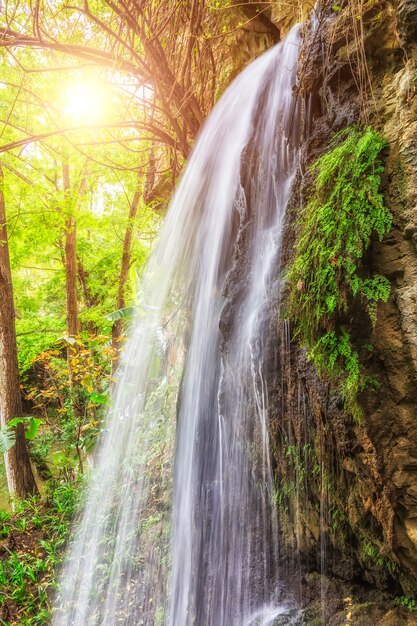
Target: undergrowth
344 211
32 541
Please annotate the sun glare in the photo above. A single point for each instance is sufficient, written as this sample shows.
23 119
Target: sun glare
86 103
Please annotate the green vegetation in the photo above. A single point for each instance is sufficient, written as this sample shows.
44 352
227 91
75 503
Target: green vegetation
345 210
304 463
72 389
370 552
31 547
404 602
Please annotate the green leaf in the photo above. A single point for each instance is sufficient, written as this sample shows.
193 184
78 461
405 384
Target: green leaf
32 425
32 429
7 438
99 398
121 314
17 420
336 7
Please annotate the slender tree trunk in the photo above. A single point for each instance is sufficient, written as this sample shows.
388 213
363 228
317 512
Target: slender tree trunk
71 269
70 260
71 276
89 298
20 479
83 276
117 329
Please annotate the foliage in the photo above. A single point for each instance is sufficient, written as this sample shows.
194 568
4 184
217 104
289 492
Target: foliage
303 461
369 551
72 393
303 473
31 423
32 547
7 438
33 343
126 313
345 210
405 602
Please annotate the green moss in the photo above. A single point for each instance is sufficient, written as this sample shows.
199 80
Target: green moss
344 211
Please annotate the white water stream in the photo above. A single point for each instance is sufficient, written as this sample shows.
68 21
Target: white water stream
204 551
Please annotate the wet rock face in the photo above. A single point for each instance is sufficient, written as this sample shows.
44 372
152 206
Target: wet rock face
392 421
407 22
360 506
285 14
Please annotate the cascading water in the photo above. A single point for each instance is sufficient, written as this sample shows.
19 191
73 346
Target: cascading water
209 296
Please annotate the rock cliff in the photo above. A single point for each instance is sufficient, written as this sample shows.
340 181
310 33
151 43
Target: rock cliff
346 490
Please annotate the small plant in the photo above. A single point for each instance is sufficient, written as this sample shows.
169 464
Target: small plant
370 552
345 210
337 518
404 602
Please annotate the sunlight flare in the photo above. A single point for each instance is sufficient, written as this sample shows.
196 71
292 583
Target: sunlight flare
87 102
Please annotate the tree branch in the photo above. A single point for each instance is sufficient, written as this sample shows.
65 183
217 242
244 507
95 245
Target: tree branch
42 330
163 137
11 39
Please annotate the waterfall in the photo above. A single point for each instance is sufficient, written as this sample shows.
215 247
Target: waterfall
179 526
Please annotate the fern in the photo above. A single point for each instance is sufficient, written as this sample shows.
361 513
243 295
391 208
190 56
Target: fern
345 210
7 439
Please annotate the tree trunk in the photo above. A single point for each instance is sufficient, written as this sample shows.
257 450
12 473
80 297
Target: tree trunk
89 298
117 329
71 267
83 276
20 479
70 260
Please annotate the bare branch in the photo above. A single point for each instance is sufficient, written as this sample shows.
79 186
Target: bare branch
41 330
163 137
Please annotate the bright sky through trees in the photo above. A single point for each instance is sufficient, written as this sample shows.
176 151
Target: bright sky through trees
87 102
